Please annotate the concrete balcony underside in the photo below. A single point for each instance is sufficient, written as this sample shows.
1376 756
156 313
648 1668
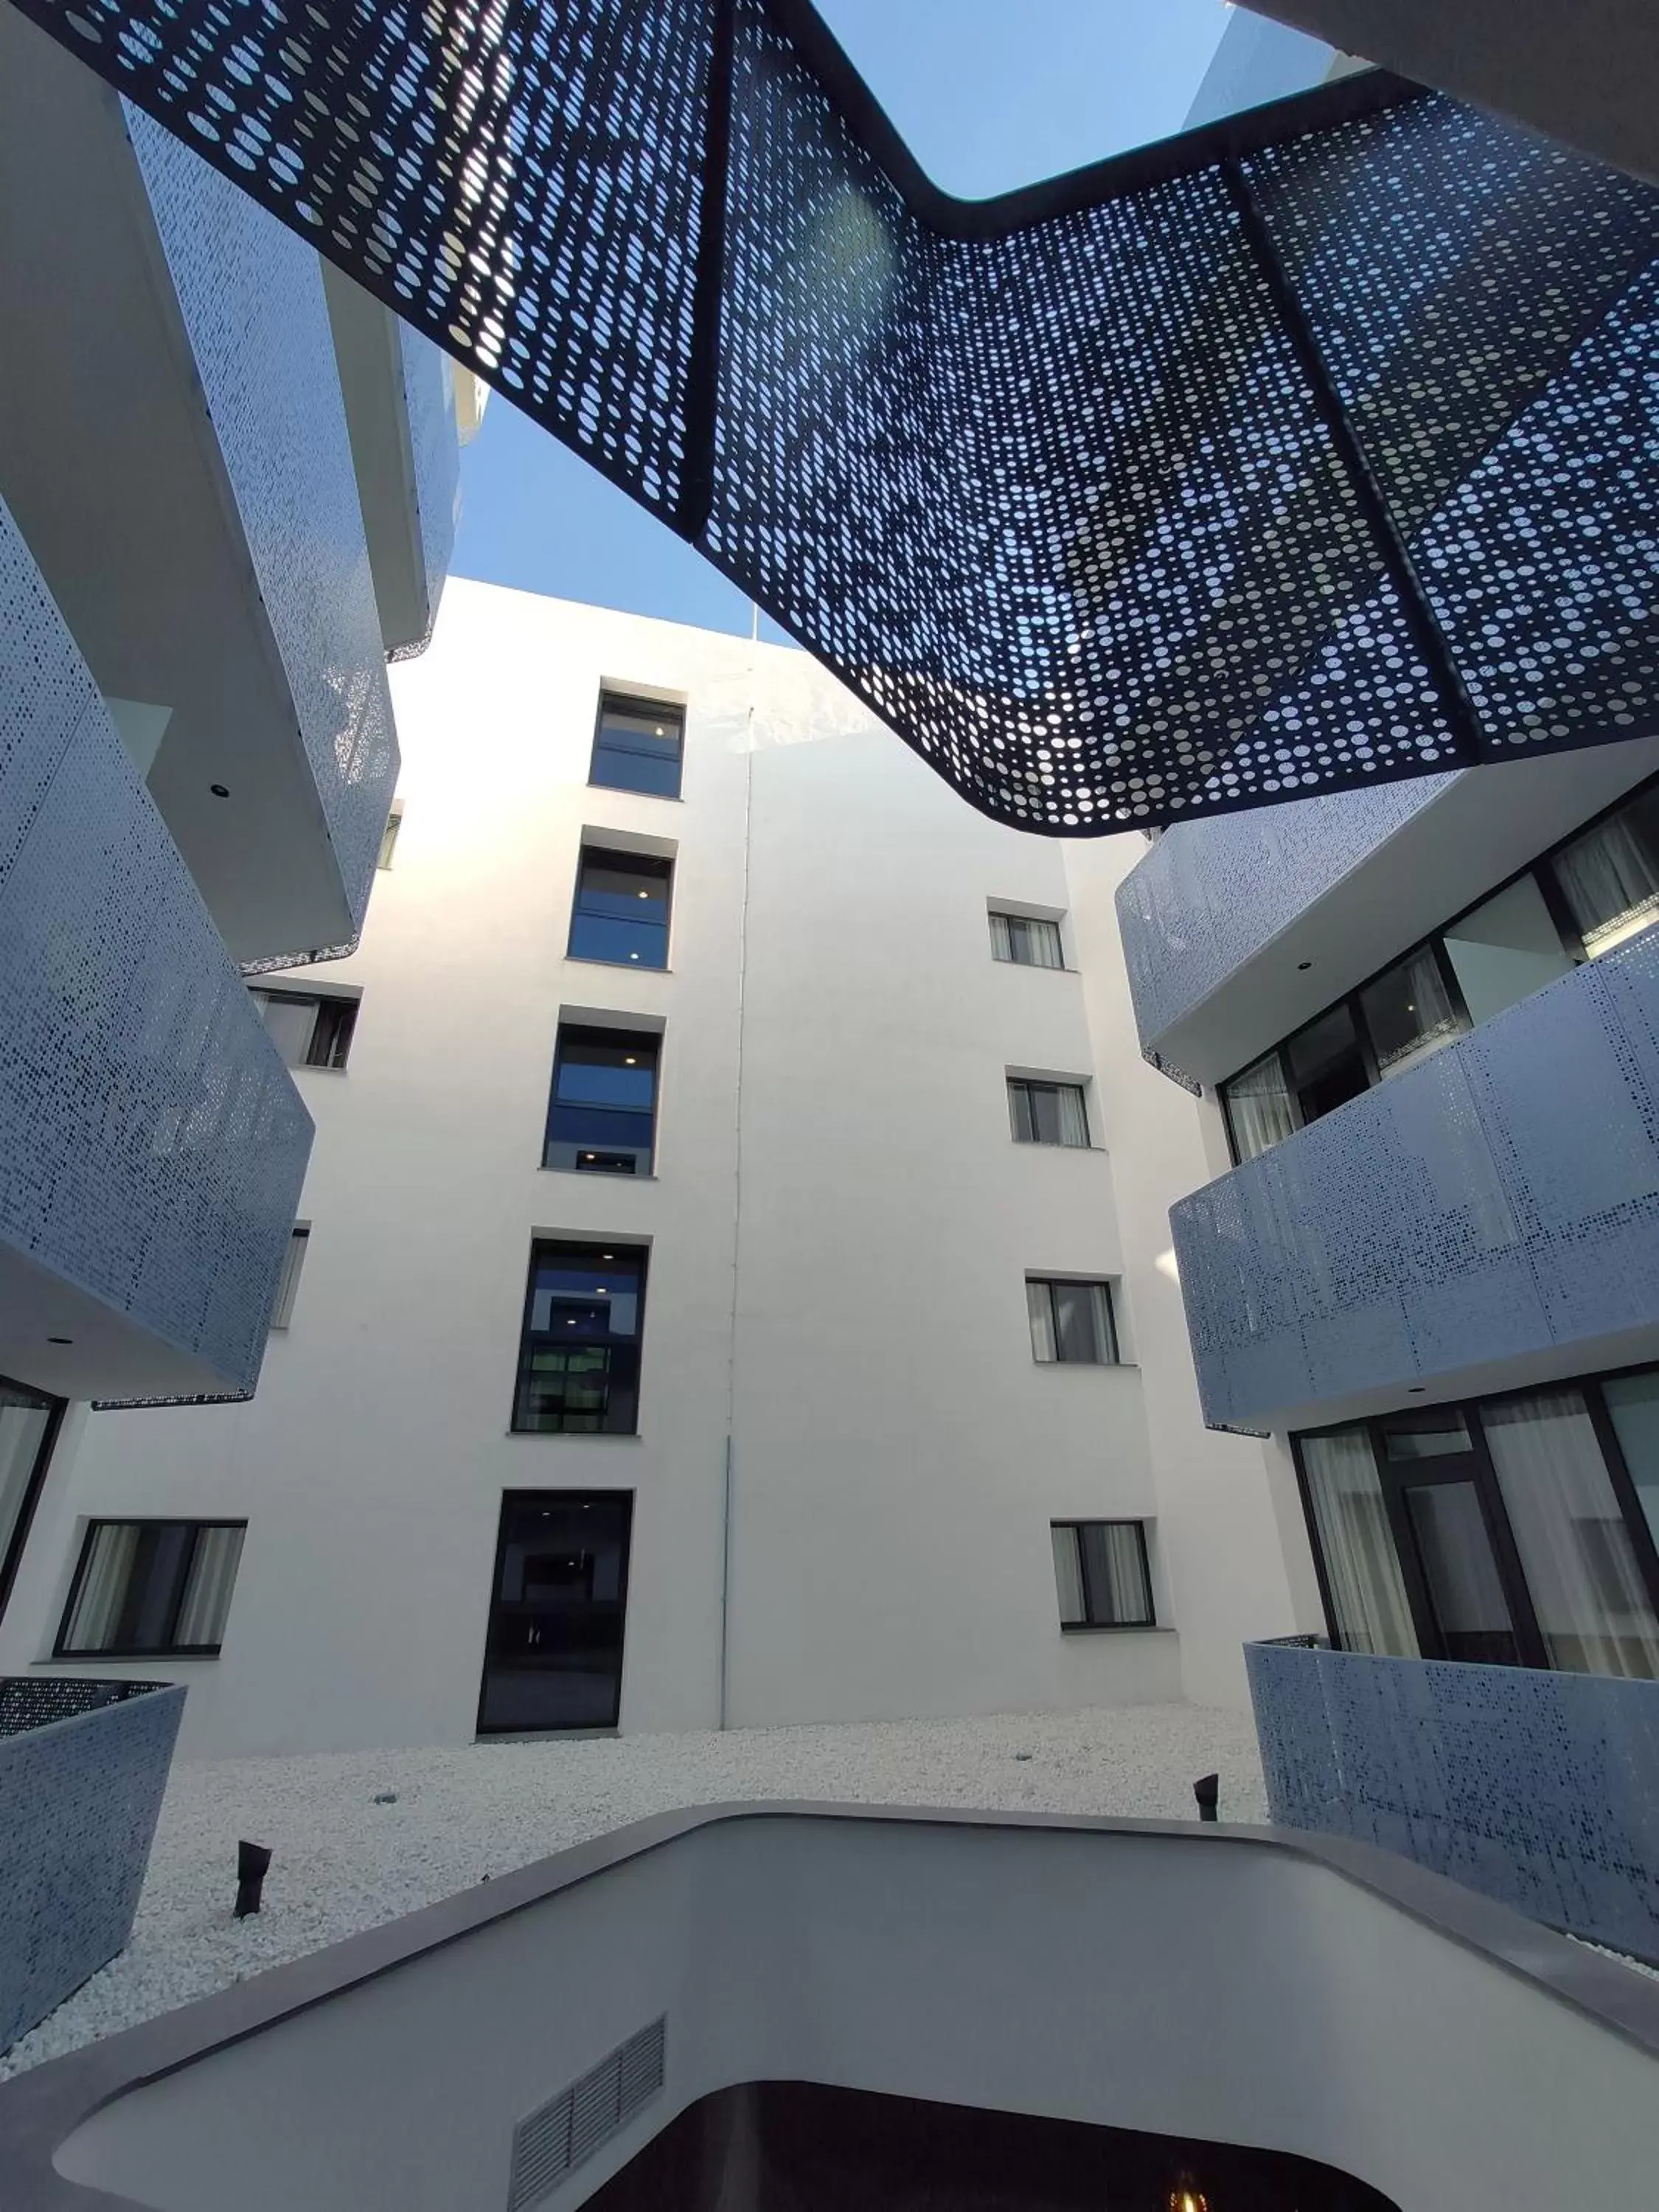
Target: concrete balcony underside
152 1143
1488 1219
1236 931
173 446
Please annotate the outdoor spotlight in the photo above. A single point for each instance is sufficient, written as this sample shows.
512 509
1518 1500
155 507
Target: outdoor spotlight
1207 1791
253 1862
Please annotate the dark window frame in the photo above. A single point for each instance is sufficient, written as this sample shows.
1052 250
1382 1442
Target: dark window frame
389 836
517 1495
636 703
54 1409
335 1033
1395 1476
1090 1626
169 1650
1056 1084
647 864
1572 947
1051 1282
646 1041
996 913
638 1252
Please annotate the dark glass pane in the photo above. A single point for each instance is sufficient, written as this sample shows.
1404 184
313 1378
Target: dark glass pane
622 910
1114 1574
1079 1315
579 1364
1466 1592
601 1112
1409 1013
330 1035
144 1622
1325 1064
554 1647
1426 1435
638 747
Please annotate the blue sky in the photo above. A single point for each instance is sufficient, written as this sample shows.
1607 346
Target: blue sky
988 95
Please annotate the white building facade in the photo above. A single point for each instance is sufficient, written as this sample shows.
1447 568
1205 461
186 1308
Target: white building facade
862 1389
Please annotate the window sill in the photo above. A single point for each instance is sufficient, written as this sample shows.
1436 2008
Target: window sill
596 1175
628 966
123 1658
1033 968
1048 1145
576 1436
1115 1628
311 1068
1091 1366
662 797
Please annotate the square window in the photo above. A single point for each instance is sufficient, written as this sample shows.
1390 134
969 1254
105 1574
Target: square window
1048 1112
1028 942
144 1587
638 745
1072 1323
1101 1574
601 1118
621 914
579 1355
310 1029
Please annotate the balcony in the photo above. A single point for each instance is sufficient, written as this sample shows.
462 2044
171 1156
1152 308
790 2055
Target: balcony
174 449
152 1144
1236 931
1487 1219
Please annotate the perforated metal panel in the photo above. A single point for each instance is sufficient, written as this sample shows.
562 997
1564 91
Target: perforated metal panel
1498 1200
152 1143
551 2143
1064 488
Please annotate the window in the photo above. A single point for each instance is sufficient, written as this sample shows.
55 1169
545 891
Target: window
1071 1323
1047 1113
1411 1011
144 1587
1325 1065
28 1429
638 745
579 1359
1101 1574
1609 877
1505 949
1027 942
553 1653
1502 1532
601 1118
394 823
288 1283
621 909
1259 1108
309 1029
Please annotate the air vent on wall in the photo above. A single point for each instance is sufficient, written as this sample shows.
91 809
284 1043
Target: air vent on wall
551 2143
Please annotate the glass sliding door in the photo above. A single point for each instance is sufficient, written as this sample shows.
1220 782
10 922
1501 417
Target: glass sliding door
555 1651
1466 1603
1366 1592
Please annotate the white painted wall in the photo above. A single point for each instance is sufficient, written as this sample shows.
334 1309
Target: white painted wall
834 1157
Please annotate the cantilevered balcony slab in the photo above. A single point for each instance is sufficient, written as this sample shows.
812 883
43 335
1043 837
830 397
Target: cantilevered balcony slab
152 1143
174 447
1238 930
1487 1219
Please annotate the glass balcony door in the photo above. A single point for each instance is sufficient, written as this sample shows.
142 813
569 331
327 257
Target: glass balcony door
553 1655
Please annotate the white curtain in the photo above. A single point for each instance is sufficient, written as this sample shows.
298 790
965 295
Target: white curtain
1073 1117
1260 1107
1587 1589
1040 1306
110 1551
207 1590
1068 1578
1610 883
1116 1579
1031 944
1427 1005
1362 1569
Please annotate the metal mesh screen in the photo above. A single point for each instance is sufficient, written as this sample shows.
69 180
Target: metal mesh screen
1304 453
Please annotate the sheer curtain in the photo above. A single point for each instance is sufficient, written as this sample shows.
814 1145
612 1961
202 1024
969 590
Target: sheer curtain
1040 1306
1068 1578
1587 1589
1116 1576
1610 883
1361 1567
1074 1114
1260 1107
111 1549
1410 1013
207 1590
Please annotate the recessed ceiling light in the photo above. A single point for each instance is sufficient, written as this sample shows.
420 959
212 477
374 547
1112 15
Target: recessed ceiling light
1303 966
599 1291
220 790
60 1340
644 893
629 1060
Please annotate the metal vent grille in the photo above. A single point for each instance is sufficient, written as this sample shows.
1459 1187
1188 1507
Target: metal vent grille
551 2143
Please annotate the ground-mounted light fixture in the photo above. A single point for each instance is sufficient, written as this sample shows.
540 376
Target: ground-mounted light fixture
1207 1791
252 1864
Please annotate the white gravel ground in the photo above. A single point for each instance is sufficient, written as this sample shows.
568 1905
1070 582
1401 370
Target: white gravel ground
343 1861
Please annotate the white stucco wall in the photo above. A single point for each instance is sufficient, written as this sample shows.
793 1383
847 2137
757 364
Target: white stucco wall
834 1166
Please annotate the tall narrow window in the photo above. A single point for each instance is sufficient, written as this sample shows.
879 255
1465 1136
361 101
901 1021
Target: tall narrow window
1633 1403
143 1587
309 1029
601 1119
621 909
579 1358
554 1655
1260 1110
1101 1574
1071 1323
394 823
638 745
1610 875
1325 1065
288 1283
28 1425
1350 1523
1047 1113
1027 941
